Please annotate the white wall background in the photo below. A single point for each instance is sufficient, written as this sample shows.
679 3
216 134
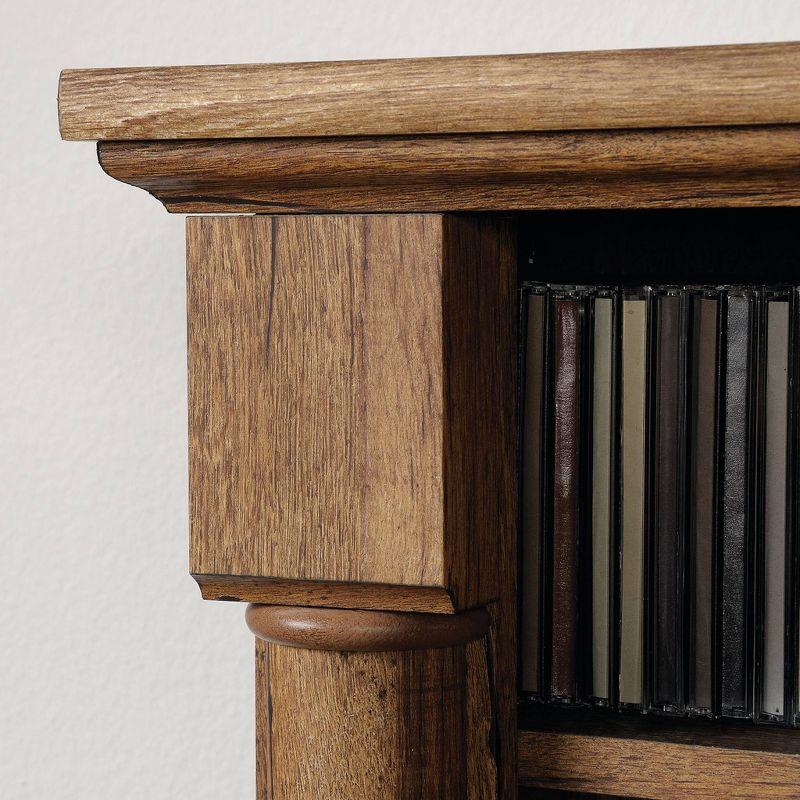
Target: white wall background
116 680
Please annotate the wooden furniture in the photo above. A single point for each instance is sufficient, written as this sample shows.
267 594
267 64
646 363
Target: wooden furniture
353 392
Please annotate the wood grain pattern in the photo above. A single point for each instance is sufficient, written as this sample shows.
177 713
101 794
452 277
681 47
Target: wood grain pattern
651 769
352 427
480 309
480 443
325 594
729 85
370 726
503 651
657 728
591 169
359 631
351 385
262 714
314 412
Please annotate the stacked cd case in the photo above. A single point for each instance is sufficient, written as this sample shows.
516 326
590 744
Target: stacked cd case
658 544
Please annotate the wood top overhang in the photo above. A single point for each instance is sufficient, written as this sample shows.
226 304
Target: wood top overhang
668 127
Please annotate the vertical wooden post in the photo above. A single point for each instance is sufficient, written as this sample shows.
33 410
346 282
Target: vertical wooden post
373 705
353 446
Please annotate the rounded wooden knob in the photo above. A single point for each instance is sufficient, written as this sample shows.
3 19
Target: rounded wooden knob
364 631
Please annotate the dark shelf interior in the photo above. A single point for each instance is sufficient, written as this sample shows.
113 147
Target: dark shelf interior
696 247
536 793
686 246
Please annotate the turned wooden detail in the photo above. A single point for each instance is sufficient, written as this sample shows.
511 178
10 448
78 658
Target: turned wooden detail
373 705
364 631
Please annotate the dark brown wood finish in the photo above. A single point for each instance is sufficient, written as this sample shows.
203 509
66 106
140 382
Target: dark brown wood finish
566 510
480 302
666 168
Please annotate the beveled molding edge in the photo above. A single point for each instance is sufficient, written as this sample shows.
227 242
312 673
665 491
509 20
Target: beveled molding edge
659 168
325 594
347 630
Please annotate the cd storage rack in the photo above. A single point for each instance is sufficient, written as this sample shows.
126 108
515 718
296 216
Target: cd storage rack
577 256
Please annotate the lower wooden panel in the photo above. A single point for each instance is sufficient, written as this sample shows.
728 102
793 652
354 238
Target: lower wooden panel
653 769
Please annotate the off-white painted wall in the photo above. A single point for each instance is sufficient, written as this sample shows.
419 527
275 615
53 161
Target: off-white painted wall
116 680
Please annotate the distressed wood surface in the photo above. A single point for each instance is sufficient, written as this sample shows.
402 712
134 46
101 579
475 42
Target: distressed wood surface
351 400
592 169
721 85
653 769
370 726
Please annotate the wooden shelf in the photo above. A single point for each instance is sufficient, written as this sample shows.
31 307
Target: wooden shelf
680 87
655 757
